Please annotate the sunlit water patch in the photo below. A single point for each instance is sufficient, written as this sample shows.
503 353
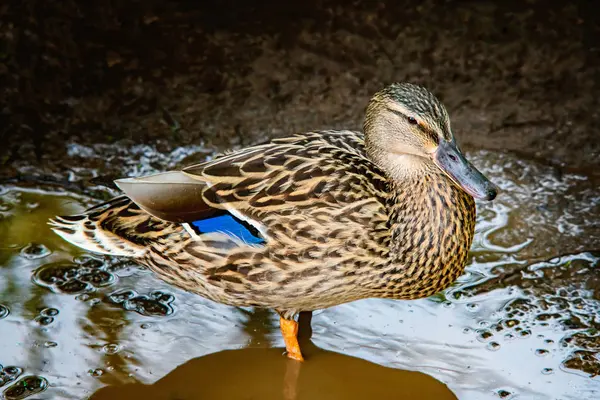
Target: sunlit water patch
521 323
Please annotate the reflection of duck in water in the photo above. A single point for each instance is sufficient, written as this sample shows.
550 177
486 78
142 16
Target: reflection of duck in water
308 221
259 373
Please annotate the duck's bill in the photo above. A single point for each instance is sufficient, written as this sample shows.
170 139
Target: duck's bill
450 160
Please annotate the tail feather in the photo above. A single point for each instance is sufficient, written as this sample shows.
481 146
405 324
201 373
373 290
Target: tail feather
118 227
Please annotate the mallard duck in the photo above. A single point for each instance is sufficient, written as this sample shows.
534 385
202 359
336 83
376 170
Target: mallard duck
307 221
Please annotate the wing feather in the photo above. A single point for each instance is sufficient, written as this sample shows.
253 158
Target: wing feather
294 175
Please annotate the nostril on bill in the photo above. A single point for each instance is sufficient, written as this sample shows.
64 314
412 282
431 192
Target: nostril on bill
492 193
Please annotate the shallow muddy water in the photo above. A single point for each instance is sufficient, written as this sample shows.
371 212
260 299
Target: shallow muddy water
522 323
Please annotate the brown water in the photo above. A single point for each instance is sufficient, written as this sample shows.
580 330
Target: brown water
522 323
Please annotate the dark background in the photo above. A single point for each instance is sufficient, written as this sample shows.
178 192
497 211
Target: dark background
517 76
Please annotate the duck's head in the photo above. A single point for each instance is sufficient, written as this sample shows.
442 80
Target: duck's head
407 132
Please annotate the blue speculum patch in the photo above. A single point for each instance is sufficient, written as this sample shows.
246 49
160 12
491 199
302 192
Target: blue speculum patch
230 225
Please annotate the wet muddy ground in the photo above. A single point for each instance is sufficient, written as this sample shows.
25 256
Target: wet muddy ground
96 90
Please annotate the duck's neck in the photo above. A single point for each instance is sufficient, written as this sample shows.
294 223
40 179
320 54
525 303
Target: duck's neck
432 223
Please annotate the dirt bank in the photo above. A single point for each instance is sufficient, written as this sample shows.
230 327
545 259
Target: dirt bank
521 76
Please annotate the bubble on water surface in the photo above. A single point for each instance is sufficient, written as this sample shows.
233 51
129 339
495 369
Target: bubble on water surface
34 251
504 394
96 373
547 371
493 346
510 323
541 352
4 311
25 387
49 312
73 278
9 374
509 336
111 348
157 303
525 334
484 335
44 321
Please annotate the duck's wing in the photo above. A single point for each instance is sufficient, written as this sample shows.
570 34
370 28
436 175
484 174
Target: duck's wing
320 171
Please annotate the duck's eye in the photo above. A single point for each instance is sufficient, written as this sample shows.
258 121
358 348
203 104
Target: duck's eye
413 121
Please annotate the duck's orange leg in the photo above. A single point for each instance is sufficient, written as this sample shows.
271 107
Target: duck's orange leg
289 330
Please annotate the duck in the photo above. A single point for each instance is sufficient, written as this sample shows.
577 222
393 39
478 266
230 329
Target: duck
307 221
